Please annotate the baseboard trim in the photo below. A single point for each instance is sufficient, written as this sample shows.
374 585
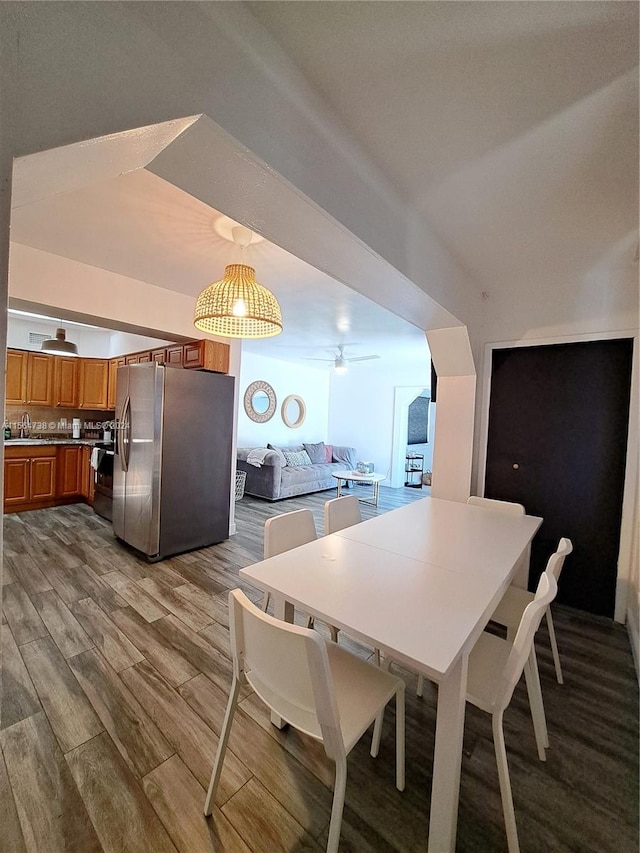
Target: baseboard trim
633 629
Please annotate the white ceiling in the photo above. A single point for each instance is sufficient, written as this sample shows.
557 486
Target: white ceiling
512 127
138 225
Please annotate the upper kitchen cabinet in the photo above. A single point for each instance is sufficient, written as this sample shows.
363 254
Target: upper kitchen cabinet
94 383
66 381
16 377
114 364
30 378
206 355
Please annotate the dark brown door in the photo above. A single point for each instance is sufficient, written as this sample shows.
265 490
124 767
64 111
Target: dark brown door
557 442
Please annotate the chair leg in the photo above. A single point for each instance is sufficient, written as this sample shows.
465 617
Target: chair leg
505 785
534 692
400 737
420 687
266 600
334 633
554 646
377 734
222 746
338 805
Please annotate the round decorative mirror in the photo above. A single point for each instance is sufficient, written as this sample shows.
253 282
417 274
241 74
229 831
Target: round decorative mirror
293 411
260 401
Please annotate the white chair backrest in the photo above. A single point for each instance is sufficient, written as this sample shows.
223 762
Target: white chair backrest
556 561
287 531
288 668
340 513
500 506
529 624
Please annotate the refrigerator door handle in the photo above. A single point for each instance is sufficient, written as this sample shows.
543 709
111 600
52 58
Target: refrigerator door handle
125 435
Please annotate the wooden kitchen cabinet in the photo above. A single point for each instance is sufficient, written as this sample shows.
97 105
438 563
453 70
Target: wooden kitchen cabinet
114 364
87 479
29 477
206 355
94 383
174 354
16 377
66 382
69 468
40 369
29 378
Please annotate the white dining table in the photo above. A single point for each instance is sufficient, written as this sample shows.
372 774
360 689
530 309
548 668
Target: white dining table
419 583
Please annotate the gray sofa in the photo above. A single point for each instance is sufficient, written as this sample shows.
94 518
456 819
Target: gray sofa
274 480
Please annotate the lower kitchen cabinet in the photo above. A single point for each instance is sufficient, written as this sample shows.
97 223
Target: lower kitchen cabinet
29 478
39 476
69 472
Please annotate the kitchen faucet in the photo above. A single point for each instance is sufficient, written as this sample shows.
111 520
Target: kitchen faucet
25 425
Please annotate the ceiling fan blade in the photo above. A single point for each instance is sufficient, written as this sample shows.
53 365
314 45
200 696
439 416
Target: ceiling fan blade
310 358
363 358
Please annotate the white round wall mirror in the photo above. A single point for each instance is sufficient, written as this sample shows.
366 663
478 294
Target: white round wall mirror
293 411
260 401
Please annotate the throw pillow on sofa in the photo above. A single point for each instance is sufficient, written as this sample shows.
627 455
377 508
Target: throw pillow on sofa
278 450
328 451
317 452
297 457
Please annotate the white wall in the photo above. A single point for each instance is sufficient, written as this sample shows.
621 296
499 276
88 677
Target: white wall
361 409
285 377
92 343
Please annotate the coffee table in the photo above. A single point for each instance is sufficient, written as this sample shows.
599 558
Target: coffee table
357 477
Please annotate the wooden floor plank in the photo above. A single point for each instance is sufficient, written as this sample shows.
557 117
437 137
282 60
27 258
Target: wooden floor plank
264 824
306 798
27 573
139 741
178 799
51 812
18 698
122 816
11 838
103 594
181 607
117 649
65 629
155 646
195 648
23 618
70 715
135 596
187 733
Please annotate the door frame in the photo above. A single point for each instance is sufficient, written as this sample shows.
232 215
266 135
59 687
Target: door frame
629 508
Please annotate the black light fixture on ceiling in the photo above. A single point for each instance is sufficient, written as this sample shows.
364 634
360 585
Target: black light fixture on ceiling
59 345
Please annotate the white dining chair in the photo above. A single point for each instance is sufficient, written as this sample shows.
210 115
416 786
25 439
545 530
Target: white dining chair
317 687
509 612
284 532
495 667
340 513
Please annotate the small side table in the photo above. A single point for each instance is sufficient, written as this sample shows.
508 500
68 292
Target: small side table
414 464
372 477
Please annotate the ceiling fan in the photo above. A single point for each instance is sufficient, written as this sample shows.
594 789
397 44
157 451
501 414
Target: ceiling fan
341 362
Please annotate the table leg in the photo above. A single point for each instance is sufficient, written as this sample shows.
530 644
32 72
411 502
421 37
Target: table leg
376 487
281 610
447 758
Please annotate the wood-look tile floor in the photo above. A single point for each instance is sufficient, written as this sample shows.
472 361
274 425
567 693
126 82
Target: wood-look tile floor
115 680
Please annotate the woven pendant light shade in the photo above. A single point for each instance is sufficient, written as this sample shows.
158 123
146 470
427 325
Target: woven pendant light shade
238 307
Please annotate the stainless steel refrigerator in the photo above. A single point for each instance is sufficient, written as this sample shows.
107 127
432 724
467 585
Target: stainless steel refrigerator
172 465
